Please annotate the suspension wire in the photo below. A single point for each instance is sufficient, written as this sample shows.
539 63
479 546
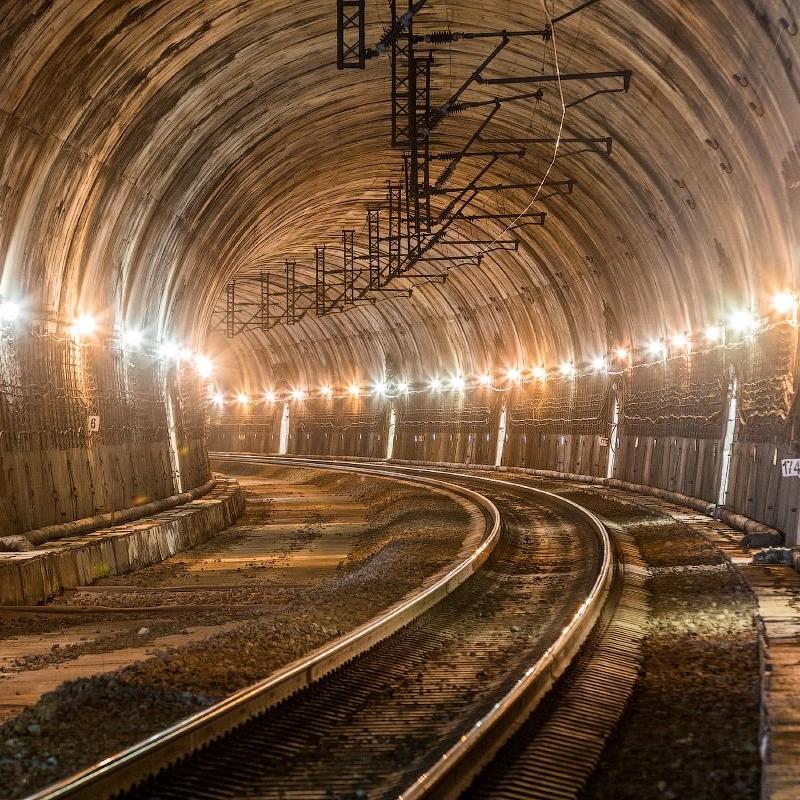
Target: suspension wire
533 199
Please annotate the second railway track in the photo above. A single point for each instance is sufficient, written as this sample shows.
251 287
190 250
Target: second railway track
410 715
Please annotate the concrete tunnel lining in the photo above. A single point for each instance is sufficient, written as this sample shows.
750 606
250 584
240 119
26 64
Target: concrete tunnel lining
154 151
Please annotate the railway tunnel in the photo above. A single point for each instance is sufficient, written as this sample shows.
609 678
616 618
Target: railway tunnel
301 298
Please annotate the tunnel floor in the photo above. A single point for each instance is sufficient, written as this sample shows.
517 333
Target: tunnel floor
313 556
319 553
692 725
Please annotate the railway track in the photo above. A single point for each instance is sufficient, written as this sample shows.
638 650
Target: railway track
419 706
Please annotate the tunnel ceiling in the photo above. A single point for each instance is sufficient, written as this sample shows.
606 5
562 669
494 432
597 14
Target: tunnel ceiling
151 151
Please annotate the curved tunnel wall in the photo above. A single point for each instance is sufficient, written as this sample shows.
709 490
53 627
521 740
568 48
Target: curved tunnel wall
107 430
150 152
665 420
89 425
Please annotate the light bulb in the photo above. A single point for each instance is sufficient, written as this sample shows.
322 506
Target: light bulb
204 366
10 311
784 302
84 325
169 351
680 341
132 339
743 321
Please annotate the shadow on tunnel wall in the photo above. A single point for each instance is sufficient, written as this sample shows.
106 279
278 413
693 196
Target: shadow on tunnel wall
666 423
84 429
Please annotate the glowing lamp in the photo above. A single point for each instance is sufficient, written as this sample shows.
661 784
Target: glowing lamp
84 325
457 384
203 366
269 396
9 311
486 379
435 385
354 390
567 369
132 339
513 374
598 364
743 321
169 351
680 341
298 394
218 399
784 302
540 373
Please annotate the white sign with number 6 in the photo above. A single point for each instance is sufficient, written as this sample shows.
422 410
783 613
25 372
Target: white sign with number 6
94 424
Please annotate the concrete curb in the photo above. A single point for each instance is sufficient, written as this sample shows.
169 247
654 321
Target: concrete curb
65 530
33 576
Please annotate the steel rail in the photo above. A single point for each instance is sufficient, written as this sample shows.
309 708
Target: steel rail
454 771
148 757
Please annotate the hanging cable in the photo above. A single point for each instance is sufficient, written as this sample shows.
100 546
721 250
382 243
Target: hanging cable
524 211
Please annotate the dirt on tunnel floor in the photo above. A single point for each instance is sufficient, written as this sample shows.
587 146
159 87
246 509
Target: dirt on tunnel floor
690 731
315 554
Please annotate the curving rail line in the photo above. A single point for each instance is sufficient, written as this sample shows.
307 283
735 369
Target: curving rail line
455 769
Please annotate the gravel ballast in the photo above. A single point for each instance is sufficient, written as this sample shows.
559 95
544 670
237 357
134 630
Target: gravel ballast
410 534
690 731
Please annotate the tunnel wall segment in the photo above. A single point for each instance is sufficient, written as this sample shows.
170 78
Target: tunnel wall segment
670 435
340 426
248 429
54 467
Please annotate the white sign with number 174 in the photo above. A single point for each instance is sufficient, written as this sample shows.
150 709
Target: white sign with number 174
790 467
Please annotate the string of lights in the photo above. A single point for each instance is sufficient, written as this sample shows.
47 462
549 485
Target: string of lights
85 326
740 324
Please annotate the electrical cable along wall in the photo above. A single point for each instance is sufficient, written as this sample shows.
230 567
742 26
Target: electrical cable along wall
191 426
561 425
447 427
671 429
766 429
672 424
84 429
248 431
356 426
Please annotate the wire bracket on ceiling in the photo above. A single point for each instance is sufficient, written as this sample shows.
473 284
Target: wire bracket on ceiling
417 234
